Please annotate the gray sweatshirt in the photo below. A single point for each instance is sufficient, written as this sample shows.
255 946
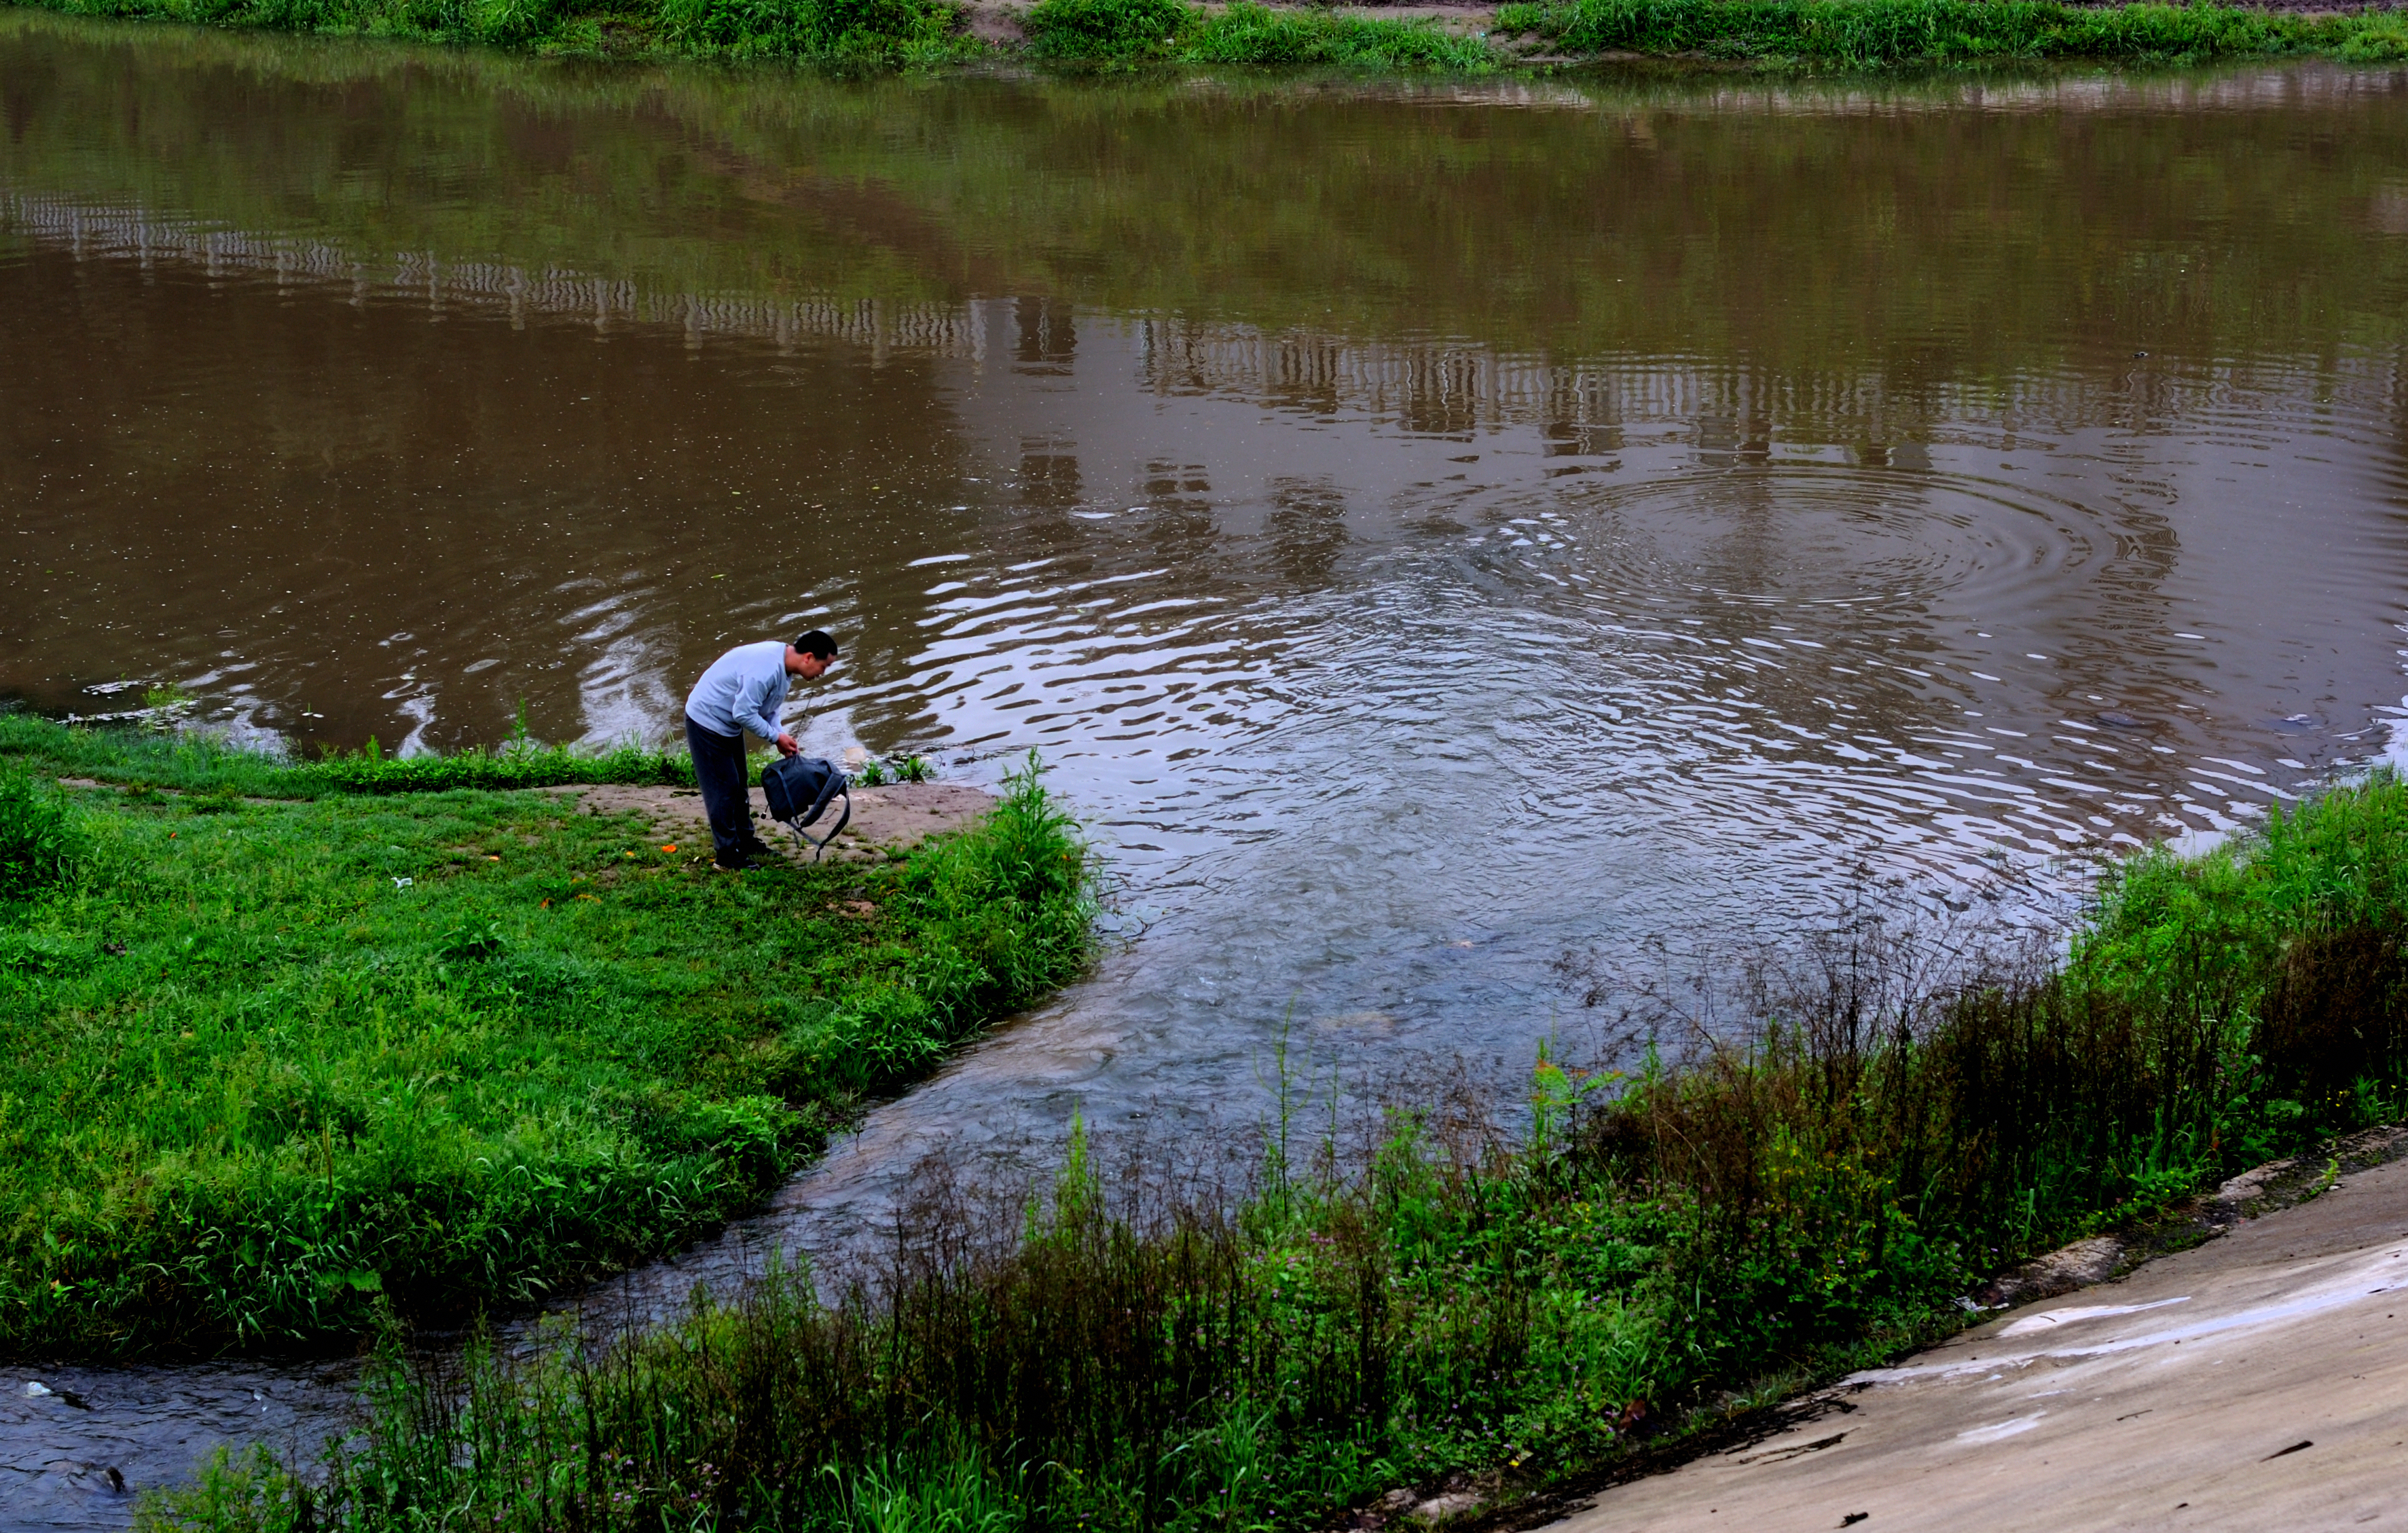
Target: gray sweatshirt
742 690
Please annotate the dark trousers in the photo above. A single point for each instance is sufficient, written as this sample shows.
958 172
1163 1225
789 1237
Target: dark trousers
719 772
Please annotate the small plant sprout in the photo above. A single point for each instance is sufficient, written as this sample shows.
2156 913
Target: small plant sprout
521 742
163 704
1557 1092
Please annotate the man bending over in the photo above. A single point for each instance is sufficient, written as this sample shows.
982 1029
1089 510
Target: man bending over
743 690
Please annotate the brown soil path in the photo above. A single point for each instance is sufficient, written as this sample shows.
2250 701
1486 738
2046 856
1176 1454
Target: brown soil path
2259 1381
894 817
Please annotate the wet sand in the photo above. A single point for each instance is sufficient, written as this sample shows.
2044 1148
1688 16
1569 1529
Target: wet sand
2258 1381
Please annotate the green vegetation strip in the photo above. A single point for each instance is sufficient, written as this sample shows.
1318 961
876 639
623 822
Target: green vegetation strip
1651 1256
1878 34
1122 33
267 1068
160 758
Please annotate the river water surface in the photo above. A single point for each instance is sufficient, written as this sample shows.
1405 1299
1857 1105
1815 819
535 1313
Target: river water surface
1427 529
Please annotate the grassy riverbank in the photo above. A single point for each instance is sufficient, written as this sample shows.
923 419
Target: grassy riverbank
1941 34
267 1067
155 758
1850 34
1878 1131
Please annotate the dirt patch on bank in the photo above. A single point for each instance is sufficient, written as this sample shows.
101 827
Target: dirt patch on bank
885 819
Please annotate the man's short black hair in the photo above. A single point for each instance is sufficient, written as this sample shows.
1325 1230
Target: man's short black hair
817 645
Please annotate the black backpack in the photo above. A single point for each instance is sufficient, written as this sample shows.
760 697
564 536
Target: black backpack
799 789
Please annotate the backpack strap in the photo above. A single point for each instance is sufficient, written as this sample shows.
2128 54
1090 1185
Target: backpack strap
820 844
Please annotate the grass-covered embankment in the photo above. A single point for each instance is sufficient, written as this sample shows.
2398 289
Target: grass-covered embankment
188 763
267 1067
1853 34
859 34
1130 34
1655 1252
1938 33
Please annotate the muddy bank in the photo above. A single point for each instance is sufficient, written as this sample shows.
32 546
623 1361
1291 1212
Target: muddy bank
885 820
892 817
2252 1382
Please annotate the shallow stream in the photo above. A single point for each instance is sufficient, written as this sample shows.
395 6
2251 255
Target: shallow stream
1427 529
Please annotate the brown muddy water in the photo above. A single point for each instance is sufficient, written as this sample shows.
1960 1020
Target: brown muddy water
1428 528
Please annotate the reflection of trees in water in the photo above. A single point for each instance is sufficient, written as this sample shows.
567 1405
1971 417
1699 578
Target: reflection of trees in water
1307 527
1181 530
2396 471
1049 475
484 514
1802 224
1046 337
1888 404
1868 548
877 414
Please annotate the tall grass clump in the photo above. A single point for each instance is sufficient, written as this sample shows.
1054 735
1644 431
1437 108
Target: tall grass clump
41 844
1122 34
271 1069
879 33
1810 1168
990 922
1245 33
1111 32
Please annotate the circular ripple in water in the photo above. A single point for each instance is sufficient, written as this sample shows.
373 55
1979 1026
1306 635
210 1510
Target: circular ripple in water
1809 533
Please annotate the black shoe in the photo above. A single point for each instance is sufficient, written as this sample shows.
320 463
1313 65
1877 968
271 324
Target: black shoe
736 864
759 851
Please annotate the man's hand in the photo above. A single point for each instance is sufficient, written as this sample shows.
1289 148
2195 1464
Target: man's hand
786 746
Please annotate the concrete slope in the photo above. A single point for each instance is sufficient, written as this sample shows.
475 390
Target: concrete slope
2257 1383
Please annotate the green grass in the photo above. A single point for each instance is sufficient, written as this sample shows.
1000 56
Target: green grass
1423 1303
1124 33
265 1068
201 763
1852 35
873 33
1890 33
911 34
